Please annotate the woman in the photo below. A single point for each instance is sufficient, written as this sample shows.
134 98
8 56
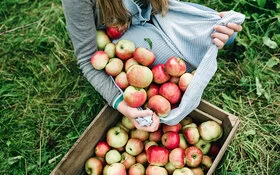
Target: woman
144 19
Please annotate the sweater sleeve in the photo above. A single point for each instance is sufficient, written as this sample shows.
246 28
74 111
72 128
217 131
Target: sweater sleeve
81 26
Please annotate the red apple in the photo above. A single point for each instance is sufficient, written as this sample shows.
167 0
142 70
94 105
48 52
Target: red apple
170 91
177 157
210 130
141 158
134 97
115 32
170 140
144 56
116 137
214 149
139 76
130 62
152 90
101 149
136 169
127 160
160 105
203 146
155 136
93 166
184 81
127 123
175 66
156 170
112 156
99 60
110 50
175 128
102 39
191 135
114 66
183 171
114 169
157 155
159 74
121 80
134 146
193 156
125 49
206 162
139 134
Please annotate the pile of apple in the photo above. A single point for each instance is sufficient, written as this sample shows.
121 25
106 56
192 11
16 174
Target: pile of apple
187 148
158 87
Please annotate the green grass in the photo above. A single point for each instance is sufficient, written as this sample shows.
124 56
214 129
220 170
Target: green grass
46 103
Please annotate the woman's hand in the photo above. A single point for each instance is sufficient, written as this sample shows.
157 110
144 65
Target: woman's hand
133 113
223 33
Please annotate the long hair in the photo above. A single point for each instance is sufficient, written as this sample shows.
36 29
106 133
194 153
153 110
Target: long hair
113 12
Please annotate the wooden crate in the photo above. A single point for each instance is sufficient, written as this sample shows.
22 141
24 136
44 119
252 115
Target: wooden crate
74 160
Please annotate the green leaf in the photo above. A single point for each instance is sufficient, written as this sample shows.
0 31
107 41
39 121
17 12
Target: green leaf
261 3
268 42
148 40
273 61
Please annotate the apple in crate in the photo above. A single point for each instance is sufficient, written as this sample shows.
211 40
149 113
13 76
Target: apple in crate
160 105
206 162
121 80
155 136
139 76
177 157
99 60
127 160
175 128
115 32
197 171
101 149
210 130
193 156
139 134
184 81
110 49
134 97
204 146
129 62
175 66
170 140
149 143
134 146
93 166
144 56
170 167
127 123
112 156
141 158
191 135
136 169
183 171
102 39
183 143
159 74
152 90
214 150
125 49
157 155
114 67
156 170
114 169
116 137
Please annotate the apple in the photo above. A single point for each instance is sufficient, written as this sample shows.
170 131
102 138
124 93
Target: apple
169 167
203 146
160 105
114 66
112 156
197 171
159 74
191 135
139 134
170 140
157 155
134 97
170 91
120 149
156 170
136 169
184 81
155 136
152 90
191 125
121 80
183 171
110 50
116 137
177 157
210 130
129 62
186 121
144 56
149 143
127 160
193 156
99 60
139 76
122 126
206 162
214 149
124 49
101 149
93 166
183 143
114 169
141 158
175 66
115 32
102 39
134 146
127 123
175 128
174 79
